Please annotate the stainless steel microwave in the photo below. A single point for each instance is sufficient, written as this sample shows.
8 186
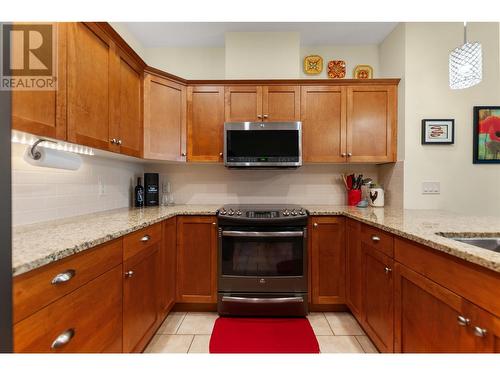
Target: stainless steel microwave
263 144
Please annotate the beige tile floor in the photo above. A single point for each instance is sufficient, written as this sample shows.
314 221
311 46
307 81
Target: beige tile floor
337 332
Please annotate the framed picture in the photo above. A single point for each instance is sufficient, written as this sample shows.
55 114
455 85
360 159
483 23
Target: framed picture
486 135
438 132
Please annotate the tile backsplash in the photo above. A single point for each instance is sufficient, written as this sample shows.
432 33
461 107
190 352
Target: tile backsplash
215 184
42 194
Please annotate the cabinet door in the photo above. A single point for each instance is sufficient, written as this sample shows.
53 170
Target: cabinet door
428 317
281 103
127 124
91 316
43 113
205 123
140 301
243 103
354 274
196 259
167 269
371 123
164 119
378 297
328 260
90 55
485 328
323 124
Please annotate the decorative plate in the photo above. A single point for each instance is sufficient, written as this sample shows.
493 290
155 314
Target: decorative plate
363 72
336 69
313 64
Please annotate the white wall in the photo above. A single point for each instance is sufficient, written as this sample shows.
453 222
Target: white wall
262 55
42 194
189 62
215 184
352 55
465 187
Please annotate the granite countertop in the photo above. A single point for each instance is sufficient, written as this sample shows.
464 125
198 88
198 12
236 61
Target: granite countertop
40 244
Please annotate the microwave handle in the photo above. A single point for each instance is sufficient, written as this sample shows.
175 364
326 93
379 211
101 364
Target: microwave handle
237 233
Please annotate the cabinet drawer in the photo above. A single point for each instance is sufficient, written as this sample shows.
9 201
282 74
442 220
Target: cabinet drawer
378 239
91 317
36 289
135 242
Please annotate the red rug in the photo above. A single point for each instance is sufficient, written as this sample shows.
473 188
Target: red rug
263 335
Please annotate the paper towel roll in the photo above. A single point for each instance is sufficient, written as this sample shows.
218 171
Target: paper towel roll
54 159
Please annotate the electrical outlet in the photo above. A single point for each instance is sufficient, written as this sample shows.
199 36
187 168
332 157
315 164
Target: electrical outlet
431 187
101 187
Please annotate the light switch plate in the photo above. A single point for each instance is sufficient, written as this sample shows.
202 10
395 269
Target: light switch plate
431 187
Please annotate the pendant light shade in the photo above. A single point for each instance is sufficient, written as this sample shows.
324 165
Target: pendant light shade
466 64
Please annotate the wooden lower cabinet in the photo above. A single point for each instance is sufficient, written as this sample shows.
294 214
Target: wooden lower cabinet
327 258
354 269
140 300
167 270
378 298
196 259
89 319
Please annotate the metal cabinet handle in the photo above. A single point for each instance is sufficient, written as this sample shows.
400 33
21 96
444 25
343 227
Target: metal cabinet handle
119 141
480 332
113 141
387 269
129 274
343 154
259 116
214 223
63 339
463 321
63 277
315 225
221 154
146 238
349 154
183 154
266 116
375 238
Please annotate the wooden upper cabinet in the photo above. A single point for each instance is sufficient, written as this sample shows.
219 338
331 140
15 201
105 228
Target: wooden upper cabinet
196 259
164 119
281 103
243 103
323 123
371 123
428 317
205 123
127 126
44 112
327 260
89 86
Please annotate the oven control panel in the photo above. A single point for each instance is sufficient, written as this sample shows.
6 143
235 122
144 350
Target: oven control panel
258 213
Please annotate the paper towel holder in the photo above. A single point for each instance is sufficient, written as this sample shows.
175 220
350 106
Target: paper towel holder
34 153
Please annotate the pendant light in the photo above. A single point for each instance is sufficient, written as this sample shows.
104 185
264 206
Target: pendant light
466 64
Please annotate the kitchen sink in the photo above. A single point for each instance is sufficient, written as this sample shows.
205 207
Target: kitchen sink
488 243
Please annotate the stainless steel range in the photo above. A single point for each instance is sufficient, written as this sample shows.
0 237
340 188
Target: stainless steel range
262 260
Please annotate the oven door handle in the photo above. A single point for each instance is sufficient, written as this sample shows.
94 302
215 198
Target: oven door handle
263 300
237 233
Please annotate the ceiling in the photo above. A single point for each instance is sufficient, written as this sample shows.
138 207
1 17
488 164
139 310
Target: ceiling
211 34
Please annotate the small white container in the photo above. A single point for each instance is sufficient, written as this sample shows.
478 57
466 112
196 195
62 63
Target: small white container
376 197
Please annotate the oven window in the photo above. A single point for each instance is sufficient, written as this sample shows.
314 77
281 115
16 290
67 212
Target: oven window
246 256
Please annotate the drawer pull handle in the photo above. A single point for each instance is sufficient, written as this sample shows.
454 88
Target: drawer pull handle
63 339
387 270
146 238
129 274
375 238
480 332
315 225
463 321
63 277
